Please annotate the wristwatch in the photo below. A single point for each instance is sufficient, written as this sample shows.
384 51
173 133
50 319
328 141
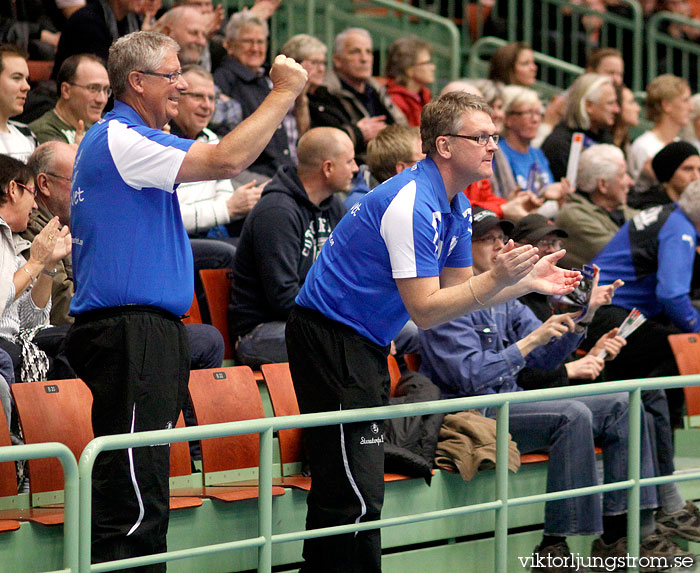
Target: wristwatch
51 273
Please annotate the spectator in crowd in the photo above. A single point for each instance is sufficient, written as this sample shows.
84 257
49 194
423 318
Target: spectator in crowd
16 139
608 62
514 64
52 165
590 108
410 72
354 101
310 52
517 204
529 166
675 515
396 147
668 106
482 353
242 77
594 213
125 212
654 254
93 28
539 232
188 27
83 87
674 167
691 132
281 239
502 181
337 349
25 284
626 119
31 25
209 207
214 52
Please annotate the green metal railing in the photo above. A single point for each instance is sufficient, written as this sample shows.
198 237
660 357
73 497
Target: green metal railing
70 471
266 427
559 32
663 50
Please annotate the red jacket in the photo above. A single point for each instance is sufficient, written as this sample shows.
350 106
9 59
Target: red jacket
408 102
481 194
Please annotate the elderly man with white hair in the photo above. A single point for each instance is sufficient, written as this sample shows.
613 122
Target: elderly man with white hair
354 102
593 214
242 76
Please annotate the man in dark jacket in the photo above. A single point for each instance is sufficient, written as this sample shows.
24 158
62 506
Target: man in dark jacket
282 237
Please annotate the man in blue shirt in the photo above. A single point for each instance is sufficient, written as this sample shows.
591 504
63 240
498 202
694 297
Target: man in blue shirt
403 251
134 275
654 254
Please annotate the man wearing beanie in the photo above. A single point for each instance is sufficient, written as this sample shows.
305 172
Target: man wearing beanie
675 166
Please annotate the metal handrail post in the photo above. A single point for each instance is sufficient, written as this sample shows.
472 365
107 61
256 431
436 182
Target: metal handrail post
634 443
71 548
501 544
265 501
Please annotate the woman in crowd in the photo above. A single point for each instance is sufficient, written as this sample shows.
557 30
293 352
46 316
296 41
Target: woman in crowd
410 72
25 285
514 64
668 106
627 117
530 168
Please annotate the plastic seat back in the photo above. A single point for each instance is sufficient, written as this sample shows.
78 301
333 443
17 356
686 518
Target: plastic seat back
686 350
217 288
227 395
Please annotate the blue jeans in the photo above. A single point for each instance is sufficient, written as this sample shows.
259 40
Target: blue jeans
568 431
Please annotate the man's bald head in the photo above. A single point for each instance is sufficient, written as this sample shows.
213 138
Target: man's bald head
188 27
326 162
320 144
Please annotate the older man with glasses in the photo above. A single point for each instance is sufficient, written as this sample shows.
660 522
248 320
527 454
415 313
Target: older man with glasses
134 274
83 87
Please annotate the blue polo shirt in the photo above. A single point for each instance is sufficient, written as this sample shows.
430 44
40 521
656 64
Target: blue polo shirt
654 254
404 228
129 243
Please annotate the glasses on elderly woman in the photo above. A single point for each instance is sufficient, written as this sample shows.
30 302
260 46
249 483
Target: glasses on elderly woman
23 186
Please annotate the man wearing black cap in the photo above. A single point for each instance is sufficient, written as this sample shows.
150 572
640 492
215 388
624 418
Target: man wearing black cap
539 232
675 166
482 353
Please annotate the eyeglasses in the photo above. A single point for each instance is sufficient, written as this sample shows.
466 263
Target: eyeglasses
426 63
172 77
528 112
316 63
23 186
200 97
94 89
58 176
481 139
490 239
557 244
252 42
